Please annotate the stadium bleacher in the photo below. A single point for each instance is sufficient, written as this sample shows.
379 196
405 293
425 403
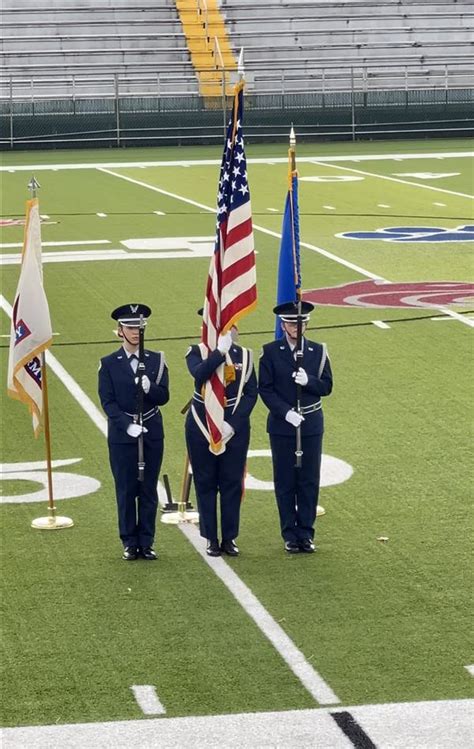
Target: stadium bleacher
154 54
301 38
304 37
96 38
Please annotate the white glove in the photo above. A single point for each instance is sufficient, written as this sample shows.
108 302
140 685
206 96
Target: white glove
300 377
135 430
294 418
145 384
224 342
227 431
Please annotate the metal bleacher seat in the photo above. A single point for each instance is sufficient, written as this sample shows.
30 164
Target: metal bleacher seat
94 47
322 40
53 40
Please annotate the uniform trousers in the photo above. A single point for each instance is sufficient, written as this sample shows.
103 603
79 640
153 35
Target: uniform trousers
137 501
215 474
296 489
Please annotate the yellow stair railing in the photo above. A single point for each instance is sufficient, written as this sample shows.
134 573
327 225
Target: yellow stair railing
209 45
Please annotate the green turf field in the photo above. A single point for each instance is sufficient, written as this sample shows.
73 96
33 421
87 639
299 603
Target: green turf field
379 622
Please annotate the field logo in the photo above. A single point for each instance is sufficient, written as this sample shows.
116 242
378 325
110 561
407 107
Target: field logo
379 294
65 485
414 234
333 471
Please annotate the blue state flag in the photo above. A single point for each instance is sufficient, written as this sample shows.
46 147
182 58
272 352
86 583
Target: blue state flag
289 268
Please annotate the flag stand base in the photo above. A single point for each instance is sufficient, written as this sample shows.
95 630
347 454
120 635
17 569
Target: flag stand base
320 511
53 522
182 516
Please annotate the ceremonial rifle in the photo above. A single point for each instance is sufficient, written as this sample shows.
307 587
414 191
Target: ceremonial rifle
140 373
299 358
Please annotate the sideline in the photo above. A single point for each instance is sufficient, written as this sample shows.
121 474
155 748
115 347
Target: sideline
294 658
216 162
446 724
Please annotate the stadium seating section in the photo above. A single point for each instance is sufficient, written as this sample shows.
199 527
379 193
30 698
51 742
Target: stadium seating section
87 46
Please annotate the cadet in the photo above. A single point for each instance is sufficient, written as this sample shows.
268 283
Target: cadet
296 489
137 501
223 473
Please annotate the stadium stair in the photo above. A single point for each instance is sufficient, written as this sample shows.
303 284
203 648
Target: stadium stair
203 24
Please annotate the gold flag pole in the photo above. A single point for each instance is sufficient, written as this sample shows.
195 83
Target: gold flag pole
52 521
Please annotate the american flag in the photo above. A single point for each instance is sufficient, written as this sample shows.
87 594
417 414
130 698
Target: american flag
231 285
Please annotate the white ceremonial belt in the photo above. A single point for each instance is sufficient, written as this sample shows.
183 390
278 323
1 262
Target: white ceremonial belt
147 415
199 399
311 408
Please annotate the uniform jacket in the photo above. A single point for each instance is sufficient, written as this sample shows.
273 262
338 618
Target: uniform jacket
118 394
278 389
202 367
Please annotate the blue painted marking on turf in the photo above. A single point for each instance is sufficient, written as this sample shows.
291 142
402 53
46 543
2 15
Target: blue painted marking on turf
415 234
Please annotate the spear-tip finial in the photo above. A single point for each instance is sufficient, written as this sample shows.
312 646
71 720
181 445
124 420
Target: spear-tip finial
240 64
292 138
33 185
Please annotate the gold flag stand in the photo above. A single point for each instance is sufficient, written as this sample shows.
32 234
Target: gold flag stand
183 514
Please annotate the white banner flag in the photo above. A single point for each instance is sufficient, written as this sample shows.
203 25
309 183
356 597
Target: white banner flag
31 332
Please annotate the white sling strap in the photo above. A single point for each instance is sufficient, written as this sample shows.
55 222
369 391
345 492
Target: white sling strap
161 369
324 356
200 424
244 376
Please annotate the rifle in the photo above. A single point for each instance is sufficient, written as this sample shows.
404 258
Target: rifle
299 357
140 373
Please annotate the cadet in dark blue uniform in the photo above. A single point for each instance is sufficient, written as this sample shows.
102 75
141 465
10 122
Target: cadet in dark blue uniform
137 501
296 489
224 473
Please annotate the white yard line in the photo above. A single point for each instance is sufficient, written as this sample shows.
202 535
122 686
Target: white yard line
271 233
381 324
262 229
308 676
60 244
318 162
147 699
214 162
445 724
303 670
85 256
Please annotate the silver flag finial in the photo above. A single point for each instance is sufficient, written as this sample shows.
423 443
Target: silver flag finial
240 64
292 137
33 185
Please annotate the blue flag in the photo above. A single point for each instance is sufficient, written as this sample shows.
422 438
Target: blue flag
289 269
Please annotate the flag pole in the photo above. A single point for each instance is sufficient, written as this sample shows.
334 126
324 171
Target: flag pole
299 332
299 321
52 521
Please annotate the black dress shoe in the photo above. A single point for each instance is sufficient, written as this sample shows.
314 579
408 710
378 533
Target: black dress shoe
229 547
213 549
148 553
129 553
292 547
307 545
